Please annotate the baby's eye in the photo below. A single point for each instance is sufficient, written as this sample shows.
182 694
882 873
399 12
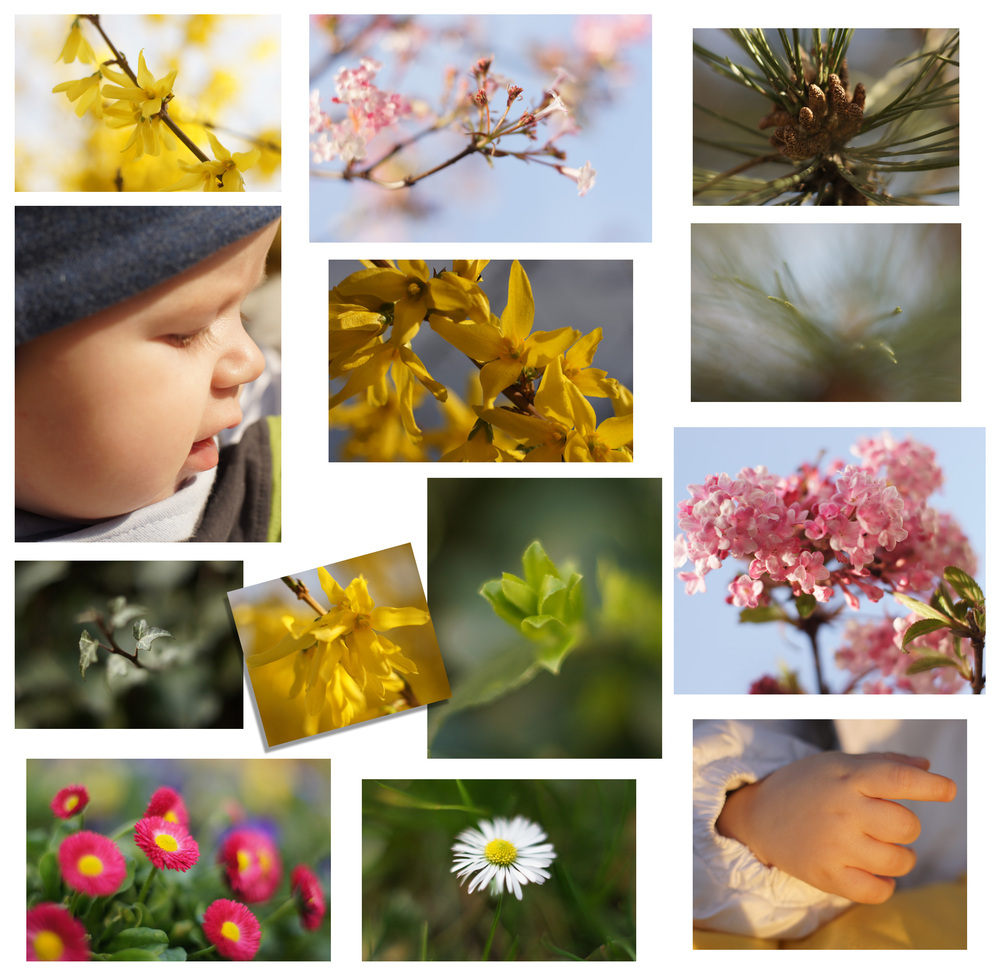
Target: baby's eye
185 339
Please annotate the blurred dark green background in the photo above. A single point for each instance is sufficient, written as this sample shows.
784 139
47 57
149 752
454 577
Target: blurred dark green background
586 910
200 687
607 700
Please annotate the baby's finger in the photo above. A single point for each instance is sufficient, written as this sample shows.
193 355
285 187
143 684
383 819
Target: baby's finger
910 760
858 885
888 821
898 781
884 860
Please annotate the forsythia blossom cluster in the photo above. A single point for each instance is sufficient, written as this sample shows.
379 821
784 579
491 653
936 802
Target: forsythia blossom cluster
866 527
545 378
141 103
341 662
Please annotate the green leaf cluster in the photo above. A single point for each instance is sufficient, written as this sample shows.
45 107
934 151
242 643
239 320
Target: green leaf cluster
964 617
546 605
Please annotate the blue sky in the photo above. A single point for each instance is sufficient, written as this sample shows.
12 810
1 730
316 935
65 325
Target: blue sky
713 652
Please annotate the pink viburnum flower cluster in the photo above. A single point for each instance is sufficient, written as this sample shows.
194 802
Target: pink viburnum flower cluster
369 110
878 647
864 527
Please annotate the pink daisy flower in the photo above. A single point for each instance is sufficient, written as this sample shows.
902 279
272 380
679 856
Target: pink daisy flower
70 801
91 863
309 899
169 804
166 844
53 934
233 928
253 865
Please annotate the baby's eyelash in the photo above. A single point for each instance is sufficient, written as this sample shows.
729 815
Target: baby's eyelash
186 339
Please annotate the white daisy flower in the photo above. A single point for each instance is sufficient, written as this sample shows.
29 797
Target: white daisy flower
502 853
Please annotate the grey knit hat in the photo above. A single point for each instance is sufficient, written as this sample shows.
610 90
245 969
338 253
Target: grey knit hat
71 262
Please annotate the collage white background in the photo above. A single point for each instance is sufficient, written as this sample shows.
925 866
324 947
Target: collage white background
333 512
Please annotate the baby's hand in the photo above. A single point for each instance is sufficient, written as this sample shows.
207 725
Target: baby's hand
829 819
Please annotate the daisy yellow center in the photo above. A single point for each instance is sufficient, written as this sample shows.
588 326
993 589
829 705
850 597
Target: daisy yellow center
242 860
501 852
231 931
90 865
48 945
171 816
265 861
71 801
166 842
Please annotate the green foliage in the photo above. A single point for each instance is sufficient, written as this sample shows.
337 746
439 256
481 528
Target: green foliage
964 619
605 700
194 676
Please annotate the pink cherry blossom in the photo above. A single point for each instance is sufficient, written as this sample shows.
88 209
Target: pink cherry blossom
584 177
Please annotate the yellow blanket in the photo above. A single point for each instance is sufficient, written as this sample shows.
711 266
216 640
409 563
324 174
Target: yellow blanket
930 917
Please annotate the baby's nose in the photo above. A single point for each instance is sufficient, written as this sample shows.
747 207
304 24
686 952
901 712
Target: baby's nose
241 363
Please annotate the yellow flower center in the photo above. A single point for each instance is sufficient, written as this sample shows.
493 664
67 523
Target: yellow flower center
414 287
231 931
171 816
166 842
90 865
501 852
265 861
71 801
242 860
48 945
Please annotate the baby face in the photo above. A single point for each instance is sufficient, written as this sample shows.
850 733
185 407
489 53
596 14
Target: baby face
115 411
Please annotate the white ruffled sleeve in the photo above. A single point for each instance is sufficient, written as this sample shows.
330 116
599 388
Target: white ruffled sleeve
733 891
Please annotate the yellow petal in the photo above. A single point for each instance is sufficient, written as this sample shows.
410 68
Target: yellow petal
481 341
388 618
519 314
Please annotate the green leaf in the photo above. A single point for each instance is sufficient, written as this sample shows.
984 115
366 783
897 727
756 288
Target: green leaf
762 614
138 953
88 652
390 796
930 662
520 594
552 598
494 594
537 565
123 612
921 608
498 676
805 605
147 634
964 584
48 868
921 628
174 954
140 937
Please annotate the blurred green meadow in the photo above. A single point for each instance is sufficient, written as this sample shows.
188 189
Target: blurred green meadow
414 907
